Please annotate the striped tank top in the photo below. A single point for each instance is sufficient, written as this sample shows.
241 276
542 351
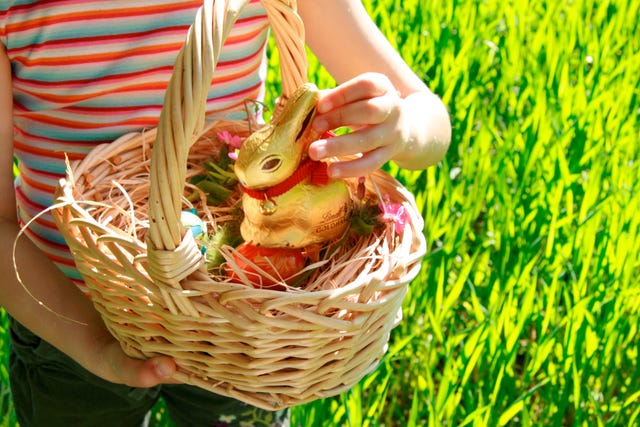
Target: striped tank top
87 72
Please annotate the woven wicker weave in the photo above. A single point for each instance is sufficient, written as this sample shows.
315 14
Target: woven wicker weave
120 216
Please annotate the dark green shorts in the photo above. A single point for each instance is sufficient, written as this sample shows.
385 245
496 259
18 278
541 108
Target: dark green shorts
49 389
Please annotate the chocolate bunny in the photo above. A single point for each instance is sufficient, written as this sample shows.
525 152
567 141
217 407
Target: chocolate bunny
288 200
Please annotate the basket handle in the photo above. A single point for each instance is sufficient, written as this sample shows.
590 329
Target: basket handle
173 253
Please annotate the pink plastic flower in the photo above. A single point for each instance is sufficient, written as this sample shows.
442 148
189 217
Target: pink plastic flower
395 213
233 141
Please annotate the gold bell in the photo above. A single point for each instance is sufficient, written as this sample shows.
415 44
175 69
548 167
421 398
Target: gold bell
268 206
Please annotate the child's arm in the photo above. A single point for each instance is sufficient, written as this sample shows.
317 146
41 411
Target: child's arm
397 116
89 343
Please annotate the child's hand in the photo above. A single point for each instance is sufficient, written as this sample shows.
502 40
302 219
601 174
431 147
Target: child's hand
371 106
413 131
119 368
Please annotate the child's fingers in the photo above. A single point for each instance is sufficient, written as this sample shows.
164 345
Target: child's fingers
135 372
362 165
344 145
362 142
360 113
370 104
364 86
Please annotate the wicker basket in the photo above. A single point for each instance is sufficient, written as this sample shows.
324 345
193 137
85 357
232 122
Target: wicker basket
120 215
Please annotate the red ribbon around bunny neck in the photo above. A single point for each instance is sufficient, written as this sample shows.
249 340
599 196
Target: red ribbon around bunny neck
315 170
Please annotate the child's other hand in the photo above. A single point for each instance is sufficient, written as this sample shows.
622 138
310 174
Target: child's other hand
115 366
371 106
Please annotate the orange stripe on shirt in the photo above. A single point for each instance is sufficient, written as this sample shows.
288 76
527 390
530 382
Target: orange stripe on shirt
83 16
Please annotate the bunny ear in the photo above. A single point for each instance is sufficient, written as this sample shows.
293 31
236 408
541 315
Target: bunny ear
305 124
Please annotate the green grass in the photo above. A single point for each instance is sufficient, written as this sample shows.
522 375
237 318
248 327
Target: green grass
527 309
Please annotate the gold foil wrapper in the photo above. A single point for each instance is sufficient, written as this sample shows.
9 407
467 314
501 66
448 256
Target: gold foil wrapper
305 215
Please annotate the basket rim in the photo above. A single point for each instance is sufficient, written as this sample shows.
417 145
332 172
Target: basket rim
70 201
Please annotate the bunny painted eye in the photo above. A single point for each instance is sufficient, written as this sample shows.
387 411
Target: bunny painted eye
271 164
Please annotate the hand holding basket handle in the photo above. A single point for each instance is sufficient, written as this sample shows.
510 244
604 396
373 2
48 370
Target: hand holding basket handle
265 347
